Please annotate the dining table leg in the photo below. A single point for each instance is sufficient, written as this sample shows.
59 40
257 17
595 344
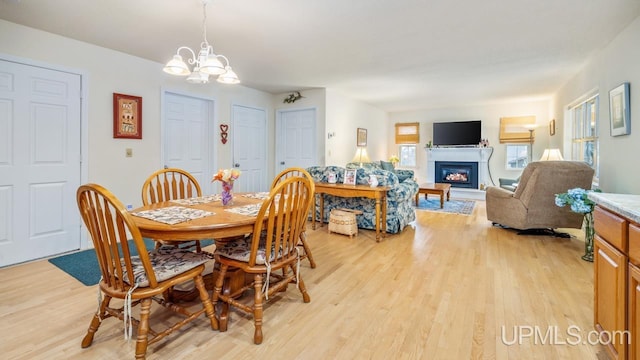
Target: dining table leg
233 281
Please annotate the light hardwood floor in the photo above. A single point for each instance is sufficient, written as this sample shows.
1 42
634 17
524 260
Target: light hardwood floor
441 290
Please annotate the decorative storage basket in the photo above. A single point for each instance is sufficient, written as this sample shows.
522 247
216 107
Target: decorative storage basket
343 221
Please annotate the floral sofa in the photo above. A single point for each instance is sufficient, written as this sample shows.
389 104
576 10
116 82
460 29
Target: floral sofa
400 198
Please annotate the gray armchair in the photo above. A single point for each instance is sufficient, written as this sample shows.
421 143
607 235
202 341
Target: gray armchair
532 205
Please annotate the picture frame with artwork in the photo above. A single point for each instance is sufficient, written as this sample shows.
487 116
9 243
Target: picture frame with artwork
619 112
350 176
127 116
361 137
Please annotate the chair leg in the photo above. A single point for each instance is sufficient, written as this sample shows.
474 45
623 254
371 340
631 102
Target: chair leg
257 309
303 289
307 250
206 302
143 329
95 322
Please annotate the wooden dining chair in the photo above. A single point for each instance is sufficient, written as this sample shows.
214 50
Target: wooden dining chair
296 171
272 246
136 279
171 184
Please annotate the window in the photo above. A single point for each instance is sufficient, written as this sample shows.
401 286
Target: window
584 138
407 155
407 134
517 156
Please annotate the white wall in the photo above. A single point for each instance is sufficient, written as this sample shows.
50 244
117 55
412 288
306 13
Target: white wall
490 116
344 115
618 62
110 71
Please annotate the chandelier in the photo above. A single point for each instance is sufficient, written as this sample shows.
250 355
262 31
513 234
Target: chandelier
206 63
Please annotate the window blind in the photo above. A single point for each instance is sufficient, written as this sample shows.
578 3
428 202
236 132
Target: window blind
407 133
514 129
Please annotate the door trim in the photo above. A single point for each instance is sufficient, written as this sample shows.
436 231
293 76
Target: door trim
84 123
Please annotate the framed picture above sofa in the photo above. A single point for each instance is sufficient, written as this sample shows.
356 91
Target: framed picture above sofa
361 137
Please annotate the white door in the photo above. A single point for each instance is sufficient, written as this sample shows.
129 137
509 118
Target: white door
186 128
39 162
296 139
249 133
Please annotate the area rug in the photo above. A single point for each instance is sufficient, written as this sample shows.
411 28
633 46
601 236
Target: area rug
83 265
464 207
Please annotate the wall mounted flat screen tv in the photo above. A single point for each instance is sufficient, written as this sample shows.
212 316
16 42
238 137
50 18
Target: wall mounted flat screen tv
457 133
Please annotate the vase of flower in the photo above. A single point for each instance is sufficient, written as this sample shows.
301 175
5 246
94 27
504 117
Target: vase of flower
226 177
227 193
580 203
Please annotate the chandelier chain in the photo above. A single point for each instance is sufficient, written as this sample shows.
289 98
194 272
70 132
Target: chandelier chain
204 22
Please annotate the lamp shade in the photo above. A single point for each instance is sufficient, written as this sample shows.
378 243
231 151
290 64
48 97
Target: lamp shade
212 66
176 66
198 77
551 155
361 156
229 77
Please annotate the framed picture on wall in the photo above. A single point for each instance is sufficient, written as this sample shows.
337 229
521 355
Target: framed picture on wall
361 137
127 116
350 176
619 110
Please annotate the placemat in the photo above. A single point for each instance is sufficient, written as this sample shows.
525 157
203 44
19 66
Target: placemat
258 195
173 214
198 200
248 210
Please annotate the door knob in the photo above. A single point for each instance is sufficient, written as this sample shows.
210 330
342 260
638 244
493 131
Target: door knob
236 165
281 162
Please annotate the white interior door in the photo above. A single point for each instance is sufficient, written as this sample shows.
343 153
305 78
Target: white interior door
296 134
40 136
186 128
249 133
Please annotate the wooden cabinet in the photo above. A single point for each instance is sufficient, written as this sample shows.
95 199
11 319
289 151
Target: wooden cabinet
610 281
616 282
633 309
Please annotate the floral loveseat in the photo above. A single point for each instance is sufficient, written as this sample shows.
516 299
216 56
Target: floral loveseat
400 198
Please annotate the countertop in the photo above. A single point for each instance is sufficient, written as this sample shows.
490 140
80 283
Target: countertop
624 204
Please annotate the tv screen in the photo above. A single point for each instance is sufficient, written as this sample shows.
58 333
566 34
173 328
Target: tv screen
457 133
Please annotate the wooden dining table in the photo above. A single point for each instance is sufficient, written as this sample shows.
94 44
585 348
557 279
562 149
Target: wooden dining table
222 226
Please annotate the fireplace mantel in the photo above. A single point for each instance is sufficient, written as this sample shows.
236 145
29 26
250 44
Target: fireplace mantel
470 154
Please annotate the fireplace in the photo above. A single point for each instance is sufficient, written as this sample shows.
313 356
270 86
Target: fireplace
459 174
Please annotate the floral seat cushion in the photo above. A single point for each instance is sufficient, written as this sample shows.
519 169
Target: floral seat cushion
167 262
241 249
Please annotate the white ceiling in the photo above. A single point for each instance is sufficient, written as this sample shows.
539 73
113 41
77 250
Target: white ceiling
394 54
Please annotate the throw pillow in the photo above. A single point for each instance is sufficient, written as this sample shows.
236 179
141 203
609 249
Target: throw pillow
402 176
387 166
